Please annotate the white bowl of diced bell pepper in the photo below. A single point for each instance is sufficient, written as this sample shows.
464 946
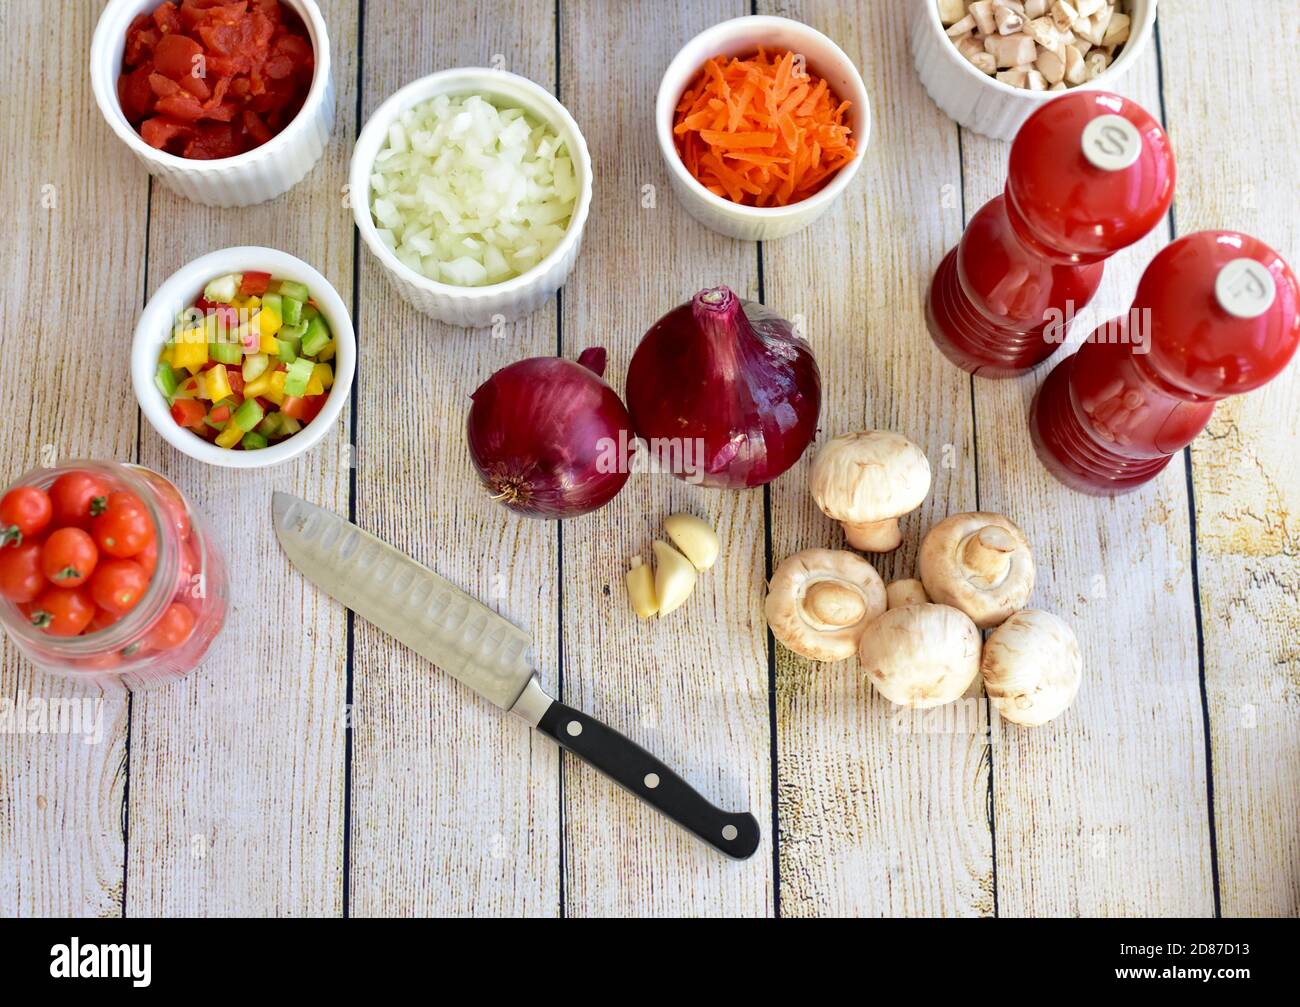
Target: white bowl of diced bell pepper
244 358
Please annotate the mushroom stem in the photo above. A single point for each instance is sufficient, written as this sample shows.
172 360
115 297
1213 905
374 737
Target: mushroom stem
832 603
874 536
987 553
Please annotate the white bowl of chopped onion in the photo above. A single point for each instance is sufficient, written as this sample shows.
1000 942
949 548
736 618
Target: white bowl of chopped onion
472 187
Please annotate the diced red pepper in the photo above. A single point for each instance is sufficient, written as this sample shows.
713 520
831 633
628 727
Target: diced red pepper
236 378
293 406
254 284
219 414
188 412
312 407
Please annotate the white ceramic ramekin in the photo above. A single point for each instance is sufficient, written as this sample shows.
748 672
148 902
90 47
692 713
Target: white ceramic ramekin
739 37
496 302
252 177
986 105
179 292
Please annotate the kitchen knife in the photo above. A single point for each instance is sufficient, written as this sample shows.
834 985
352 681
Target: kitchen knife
487 653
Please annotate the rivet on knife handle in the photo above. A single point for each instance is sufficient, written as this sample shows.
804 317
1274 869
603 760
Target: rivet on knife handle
630 766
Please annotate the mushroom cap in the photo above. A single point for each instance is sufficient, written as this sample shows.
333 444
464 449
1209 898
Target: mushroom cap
873 475
908 591
820 600
1031 667
980 563
921 655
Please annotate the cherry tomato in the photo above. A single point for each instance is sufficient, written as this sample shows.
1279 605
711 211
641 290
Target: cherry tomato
102 619
173 629
24 510
62 611
20 572
148 557
172 502
118 585
124 528
68 557
77 497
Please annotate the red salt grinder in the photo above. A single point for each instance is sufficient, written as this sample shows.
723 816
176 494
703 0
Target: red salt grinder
1217 313
1090 173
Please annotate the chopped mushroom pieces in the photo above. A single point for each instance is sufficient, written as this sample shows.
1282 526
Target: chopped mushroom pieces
1031 667
820 601
1037 44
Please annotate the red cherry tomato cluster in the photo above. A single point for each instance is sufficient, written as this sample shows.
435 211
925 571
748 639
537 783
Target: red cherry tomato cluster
214 78
80 556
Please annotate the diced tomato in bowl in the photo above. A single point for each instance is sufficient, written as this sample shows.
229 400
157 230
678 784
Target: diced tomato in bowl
208 80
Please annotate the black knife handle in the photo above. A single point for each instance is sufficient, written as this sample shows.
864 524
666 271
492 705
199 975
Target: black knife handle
633 768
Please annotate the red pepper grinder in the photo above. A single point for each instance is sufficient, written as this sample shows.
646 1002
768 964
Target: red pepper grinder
1216 314
1090 173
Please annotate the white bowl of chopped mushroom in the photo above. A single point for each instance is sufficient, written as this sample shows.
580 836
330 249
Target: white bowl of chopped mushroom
989 64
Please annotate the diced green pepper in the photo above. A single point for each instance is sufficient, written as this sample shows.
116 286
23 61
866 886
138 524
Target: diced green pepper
318 334
275 303
288 352
216 424
248 415
292 313
226 353
223 289
292 288
309 312
271 426
165 378
252 440
297 376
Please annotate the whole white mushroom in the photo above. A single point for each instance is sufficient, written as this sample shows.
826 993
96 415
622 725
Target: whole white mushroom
921 655
980 563
867 481
1031 667
820 601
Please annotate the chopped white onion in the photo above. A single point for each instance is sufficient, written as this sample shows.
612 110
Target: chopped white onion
468 194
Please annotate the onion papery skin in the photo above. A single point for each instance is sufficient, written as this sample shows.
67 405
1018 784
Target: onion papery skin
539 433
732 374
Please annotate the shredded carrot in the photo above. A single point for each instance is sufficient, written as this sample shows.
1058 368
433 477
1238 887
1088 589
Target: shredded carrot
762 130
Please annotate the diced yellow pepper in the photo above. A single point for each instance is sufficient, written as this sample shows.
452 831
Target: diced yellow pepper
218 384
166 356
276 392
258 386
314 384
270 322
327 351
201 386
323 373
268 345
229 437
191 350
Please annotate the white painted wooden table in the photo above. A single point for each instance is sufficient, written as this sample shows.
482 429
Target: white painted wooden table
315 767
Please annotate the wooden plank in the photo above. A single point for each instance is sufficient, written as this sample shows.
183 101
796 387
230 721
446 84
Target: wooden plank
877 820
236 800
454 806
692 689
1102 812
66 285
1237 167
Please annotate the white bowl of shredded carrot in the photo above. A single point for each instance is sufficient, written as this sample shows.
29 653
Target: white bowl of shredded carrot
762 122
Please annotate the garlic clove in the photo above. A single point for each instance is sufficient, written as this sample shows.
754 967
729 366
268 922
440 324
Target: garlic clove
674 578
697 541
641 589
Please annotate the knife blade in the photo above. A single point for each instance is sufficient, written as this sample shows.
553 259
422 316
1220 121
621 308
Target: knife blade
489 654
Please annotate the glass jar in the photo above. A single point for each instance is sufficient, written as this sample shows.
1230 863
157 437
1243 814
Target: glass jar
149 643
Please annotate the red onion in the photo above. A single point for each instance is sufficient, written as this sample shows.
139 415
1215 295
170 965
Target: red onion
544 434
729 375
